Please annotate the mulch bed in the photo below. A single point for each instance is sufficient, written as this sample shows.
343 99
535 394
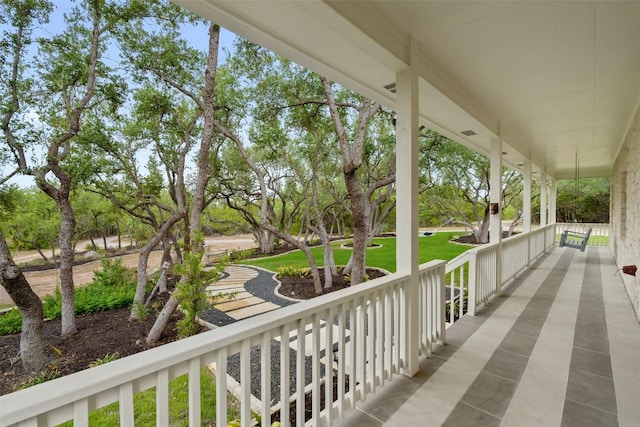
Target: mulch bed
99 334
109 332
302 287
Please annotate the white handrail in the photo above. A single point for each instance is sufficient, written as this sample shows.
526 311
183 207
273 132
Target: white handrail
361 323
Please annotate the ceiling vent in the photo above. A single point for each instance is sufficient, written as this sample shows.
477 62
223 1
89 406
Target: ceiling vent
468 132
391 87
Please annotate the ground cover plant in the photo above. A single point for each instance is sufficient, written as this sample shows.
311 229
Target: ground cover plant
111 287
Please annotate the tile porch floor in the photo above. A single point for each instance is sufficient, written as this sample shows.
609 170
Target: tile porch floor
561 347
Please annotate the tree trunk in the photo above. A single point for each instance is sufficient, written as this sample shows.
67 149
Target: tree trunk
144 258
207 130
203 174
167 262
44 257
162 321
104 241
317 283
360 231
176 247
67 227
329 265
483 230
352 157
266 241
32 348
141 285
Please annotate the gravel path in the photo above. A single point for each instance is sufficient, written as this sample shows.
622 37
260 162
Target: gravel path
263 286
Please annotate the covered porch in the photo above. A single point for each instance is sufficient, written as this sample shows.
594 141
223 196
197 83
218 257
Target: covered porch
532 85
554 341
558 347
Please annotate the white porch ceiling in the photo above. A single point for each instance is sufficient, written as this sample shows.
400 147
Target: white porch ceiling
553 79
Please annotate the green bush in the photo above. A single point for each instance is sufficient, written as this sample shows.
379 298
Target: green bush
113 273
242 255
190 291
11 322
52 305
113 287
292 271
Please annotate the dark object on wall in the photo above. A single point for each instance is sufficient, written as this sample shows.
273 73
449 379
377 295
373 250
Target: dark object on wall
495 208
629 269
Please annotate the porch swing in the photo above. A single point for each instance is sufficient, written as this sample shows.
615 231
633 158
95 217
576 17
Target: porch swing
572 238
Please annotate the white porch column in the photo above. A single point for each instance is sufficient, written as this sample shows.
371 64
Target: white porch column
552 201
543 198
495 207
526 204
526 197
495 191
407 110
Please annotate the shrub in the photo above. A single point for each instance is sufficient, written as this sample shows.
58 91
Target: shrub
11 322
242 255
113 273
113 287
52 305
292 271
190 290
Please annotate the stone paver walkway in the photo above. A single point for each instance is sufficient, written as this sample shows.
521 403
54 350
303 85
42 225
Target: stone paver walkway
242 292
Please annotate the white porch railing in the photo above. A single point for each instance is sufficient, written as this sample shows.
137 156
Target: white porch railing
476 271
362 325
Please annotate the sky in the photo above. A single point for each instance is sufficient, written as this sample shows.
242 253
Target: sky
196 36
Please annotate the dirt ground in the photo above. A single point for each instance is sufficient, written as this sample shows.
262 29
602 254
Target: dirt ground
45 282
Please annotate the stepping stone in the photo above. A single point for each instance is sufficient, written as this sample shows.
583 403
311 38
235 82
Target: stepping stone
243 313
225 291
238 303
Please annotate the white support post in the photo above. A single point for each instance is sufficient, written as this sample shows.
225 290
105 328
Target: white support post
495 198
552 202
543 204
407 110
526 205
495 192
526 197
473 282
543 198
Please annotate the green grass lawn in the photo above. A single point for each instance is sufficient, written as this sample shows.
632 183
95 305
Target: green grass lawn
432 247
145 405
